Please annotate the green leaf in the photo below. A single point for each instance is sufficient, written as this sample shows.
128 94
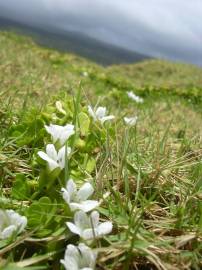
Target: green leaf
84 123
21 189
90 166
47 178
41 215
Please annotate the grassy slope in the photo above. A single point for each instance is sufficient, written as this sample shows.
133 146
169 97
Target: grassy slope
35 72
164 178
160 73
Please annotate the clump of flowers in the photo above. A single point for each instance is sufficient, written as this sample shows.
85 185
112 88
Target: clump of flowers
11 223
134 97
86 224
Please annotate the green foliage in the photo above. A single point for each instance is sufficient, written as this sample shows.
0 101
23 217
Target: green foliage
84 123
41 217
30 130
21 189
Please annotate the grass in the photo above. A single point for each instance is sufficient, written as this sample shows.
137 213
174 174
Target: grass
159 73
148 176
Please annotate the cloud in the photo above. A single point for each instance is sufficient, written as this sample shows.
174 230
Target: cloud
165 28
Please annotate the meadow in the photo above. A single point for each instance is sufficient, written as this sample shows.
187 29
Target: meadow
103 164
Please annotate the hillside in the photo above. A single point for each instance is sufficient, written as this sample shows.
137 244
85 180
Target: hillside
53 71
160 73
145 172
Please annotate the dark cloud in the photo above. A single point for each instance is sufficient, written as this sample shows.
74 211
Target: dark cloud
159 28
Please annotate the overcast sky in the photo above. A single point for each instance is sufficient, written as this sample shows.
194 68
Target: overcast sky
163 28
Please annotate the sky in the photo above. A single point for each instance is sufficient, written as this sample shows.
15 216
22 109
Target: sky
162 28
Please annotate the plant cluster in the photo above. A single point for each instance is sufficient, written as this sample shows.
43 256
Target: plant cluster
57 166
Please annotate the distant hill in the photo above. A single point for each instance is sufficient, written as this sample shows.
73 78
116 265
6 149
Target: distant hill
74 42
159 73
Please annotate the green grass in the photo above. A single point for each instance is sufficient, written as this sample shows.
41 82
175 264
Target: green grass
149 176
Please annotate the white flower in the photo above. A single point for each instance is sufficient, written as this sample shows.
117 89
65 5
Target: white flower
78 199
130 121
10 223
60 133
79 258
89 227
54 159
134 97
99 114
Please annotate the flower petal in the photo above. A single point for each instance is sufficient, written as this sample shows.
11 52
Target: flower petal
88 256
92 113
85 192
8 232
22 223
104 228
71 259
73 228
11 222
51 130
19 221
69 264
61 133
134 97
71 188
100 112
65 195
95 219
66 132
72 252
106 118
61 156
81 220
51 151
52 164
86 206
88 234
55 131
131 121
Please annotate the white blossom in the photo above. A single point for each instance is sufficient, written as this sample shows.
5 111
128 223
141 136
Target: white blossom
79 258
89 227
130 121
55 159
100 114
134 97
11 223
79 199
60 133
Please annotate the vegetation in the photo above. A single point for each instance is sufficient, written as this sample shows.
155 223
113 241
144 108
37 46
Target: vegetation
147 176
